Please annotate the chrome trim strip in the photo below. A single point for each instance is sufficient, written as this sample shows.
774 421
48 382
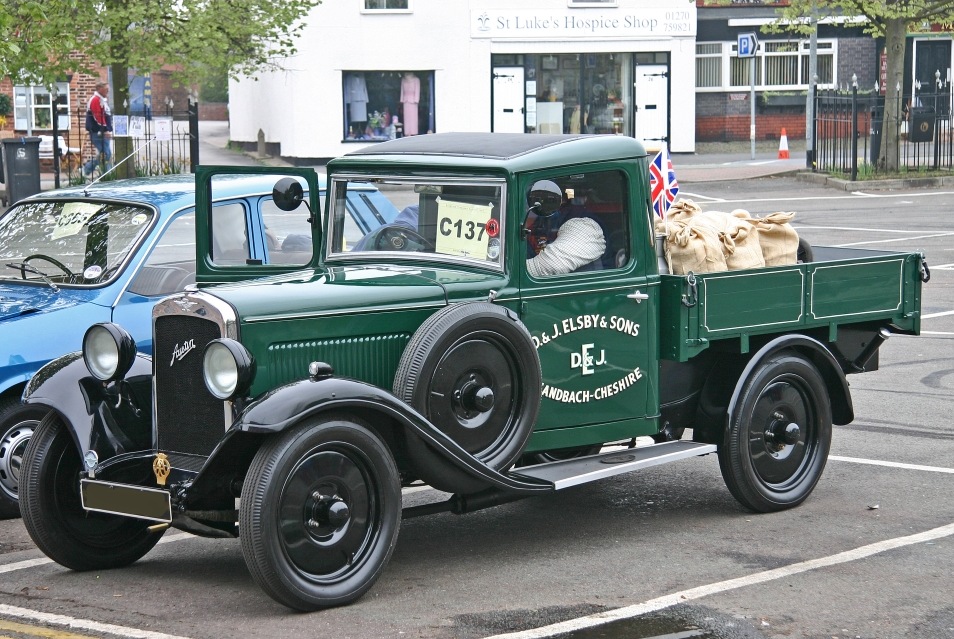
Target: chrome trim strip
340 313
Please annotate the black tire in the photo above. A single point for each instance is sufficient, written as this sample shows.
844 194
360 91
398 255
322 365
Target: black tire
310 552
804 252
54 516
17 423
776 445
473 371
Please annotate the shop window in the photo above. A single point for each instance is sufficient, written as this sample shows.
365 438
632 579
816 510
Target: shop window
383 105
33 107
581 93
387 5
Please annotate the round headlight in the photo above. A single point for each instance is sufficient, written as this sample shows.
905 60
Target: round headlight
108 351
227 368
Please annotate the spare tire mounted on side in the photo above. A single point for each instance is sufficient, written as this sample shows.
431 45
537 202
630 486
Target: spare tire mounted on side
473 371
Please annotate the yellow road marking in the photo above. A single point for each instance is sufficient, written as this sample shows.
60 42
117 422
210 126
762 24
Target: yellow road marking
37 631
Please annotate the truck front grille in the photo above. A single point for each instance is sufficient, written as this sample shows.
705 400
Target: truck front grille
189 419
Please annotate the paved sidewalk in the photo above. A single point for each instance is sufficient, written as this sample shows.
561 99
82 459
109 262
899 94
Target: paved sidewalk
712 162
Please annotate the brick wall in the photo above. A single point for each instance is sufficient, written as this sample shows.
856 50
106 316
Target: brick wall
725 117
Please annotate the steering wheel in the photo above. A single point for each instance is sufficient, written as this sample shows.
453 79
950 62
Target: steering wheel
46 258
399 238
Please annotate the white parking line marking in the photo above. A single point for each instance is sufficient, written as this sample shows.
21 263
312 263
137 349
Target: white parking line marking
897 239
860 229
878 462
945 267
933 315
31 563
855 195
668 601
82 624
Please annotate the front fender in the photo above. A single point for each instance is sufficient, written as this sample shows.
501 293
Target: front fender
110 419
286 406
842 409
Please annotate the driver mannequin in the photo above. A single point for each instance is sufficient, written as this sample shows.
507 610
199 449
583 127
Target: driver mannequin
579 241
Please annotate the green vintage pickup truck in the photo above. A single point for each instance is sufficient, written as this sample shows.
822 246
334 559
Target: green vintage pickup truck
436 346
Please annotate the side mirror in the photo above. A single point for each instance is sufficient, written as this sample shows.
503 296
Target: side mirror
544 198
288 194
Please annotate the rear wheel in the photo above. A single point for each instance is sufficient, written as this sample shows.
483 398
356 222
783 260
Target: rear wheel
776 445
53 514
17 423
320 513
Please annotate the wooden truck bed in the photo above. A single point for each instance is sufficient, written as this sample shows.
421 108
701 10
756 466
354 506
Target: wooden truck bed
842 286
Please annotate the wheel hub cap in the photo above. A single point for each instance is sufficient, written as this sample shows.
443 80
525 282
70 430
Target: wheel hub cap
329 513
12 446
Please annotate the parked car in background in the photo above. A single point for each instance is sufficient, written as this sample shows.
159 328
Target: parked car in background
107 252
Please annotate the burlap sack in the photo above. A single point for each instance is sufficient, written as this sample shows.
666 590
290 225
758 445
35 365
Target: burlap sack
682 210
741 244
778 239
689 248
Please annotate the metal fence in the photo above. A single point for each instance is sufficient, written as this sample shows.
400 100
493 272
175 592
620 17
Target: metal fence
163 142
850 129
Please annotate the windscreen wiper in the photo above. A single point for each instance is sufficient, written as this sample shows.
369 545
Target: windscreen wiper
25 268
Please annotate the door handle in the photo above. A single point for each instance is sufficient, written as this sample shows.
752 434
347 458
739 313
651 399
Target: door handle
639 297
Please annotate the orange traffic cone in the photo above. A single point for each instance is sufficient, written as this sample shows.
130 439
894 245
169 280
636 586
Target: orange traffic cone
783 146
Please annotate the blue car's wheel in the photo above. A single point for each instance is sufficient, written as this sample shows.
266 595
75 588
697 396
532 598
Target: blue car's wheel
17 423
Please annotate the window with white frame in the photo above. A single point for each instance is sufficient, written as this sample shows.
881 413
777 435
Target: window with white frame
387 5
33 107
709 64
779 64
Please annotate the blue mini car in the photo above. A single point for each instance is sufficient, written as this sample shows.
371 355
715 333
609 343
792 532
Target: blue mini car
107 252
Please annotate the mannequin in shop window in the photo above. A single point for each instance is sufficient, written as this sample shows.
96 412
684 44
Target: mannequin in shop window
410 97
356 96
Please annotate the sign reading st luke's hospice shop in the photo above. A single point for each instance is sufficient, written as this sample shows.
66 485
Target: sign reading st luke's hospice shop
523 24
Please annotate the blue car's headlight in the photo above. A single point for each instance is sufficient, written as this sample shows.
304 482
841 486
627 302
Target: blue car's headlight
228 368
109 351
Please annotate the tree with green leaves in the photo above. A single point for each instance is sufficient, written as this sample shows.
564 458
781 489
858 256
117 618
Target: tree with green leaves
41 42
891 19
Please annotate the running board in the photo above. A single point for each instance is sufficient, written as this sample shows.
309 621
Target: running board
573 472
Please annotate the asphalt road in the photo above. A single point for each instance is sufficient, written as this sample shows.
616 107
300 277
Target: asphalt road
867 556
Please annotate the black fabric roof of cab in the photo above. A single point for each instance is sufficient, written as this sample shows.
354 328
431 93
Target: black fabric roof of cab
498 146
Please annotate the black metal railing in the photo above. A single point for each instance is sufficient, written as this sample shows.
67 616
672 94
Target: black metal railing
850 130
163 142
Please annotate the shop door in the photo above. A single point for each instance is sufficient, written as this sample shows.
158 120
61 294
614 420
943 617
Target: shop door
508 100
932 64
651 104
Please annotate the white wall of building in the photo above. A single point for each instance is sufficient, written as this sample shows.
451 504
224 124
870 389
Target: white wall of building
300 108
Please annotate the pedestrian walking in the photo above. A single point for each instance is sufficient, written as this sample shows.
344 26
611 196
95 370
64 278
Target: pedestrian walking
99 123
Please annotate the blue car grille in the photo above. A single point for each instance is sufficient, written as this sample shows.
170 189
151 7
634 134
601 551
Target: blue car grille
189 419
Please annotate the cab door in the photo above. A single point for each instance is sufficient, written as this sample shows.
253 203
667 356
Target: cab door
594 328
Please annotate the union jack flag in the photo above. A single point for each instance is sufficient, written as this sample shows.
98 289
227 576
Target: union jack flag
663 186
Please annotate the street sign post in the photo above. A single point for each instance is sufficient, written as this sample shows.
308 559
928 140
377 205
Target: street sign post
748 46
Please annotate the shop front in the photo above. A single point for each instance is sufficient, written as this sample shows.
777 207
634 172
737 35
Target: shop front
617 79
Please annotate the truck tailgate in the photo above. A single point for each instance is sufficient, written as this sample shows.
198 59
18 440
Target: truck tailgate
842 286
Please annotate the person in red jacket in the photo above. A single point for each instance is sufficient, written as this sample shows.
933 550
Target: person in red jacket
99 123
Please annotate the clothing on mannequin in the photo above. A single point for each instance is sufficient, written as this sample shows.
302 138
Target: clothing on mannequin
410 97
356 96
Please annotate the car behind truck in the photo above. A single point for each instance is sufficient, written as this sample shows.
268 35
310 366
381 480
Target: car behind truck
424 350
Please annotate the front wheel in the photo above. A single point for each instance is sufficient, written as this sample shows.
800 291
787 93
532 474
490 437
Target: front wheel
320 512
53 514
776 444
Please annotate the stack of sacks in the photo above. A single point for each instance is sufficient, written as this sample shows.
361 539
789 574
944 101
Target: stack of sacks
726 241
778 239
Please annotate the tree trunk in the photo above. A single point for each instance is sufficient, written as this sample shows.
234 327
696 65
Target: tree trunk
895 33
122 146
